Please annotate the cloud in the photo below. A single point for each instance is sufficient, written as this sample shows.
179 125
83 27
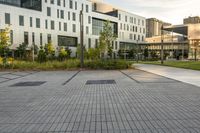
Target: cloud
168 10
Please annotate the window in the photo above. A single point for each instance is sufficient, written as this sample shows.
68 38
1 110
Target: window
11 36
62 14
75 5
46 24
58 2
89 20
65 26
48 11
37 23
21 20
116 45
52 25
126 18
89 42
33 37
87 8
26 37
119 16
59 25
49 38
71 4
64 3
68 15
96 43
31 22
58 13
87 30
41 39
52 1
74 16
74 28
7 18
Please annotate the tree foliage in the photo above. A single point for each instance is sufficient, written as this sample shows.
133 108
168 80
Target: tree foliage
93 53
42 57
4 41
49 50
106 38
21 50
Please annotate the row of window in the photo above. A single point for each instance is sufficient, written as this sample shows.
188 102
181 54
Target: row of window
131 28
132 20
61 14
72 4
132 36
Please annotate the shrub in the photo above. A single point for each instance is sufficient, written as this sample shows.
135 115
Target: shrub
42 57
62 54
107 64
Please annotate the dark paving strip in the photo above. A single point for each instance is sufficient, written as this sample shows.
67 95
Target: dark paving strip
130 77
19 77
71 78
5 78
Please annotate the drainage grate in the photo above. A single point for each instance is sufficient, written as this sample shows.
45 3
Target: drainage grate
24 84
96 82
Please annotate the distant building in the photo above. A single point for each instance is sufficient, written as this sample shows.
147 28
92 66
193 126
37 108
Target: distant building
192 20
153 27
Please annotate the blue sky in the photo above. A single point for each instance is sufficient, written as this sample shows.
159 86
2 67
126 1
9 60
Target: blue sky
172 11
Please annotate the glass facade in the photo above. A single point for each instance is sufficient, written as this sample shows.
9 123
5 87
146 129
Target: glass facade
67 41
97 26
30 4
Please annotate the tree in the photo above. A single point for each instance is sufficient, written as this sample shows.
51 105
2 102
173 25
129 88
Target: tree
42 55
4 44
49 50
93 53
21 50
132 53
146 53
78 51
106 38
62 54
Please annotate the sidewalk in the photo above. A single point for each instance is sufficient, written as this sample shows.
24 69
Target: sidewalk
184 75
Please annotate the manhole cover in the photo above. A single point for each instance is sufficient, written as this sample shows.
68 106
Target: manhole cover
28 84
91 82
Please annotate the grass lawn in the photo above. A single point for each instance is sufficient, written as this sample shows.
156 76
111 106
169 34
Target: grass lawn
194 65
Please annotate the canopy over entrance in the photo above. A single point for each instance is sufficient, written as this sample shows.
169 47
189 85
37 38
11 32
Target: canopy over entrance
180 29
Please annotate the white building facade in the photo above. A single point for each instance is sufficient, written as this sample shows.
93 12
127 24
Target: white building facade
40 21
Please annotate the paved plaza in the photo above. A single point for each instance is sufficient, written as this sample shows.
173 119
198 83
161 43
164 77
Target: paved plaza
128 101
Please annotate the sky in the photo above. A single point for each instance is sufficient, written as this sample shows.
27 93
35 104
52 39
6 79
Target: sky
172 11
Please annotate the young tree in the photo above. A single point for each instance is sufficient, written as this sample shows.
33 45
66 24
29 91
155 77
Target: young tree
106 38
93 53
49 50
62 54
4 44
146 53
42 55
21 50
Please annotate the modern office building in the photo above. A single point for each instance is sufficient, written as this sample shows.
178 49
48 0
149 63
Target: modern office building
40 21
153 27
191 20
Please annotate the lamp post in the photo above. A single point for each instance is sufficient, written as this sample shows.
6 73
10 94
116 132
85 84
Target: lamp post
33 51
162 40
81 39
137 52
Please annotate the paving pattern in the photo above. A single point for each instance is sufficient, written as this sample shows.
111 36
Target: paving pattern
138 102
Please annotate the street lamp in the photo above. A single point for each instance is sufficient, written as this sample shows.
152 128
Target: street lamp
81 39
137 51
33 51
162 40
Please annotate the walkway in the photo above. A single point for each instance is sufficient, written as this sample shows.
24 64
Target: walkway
183 75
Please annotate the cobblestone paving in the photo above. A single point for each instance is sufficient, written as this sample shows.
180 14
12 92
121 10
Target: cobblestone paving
139 102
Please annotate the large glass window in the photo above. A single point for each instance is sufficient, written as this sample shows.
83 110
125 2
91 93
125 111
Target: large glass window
97 26
48 11
67 41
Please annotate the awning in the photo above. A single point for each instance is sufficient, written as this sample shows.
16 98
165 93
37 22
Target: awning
180 29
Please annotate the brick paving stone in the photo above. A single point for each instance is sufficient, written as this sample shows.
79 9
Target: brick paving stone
148 104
